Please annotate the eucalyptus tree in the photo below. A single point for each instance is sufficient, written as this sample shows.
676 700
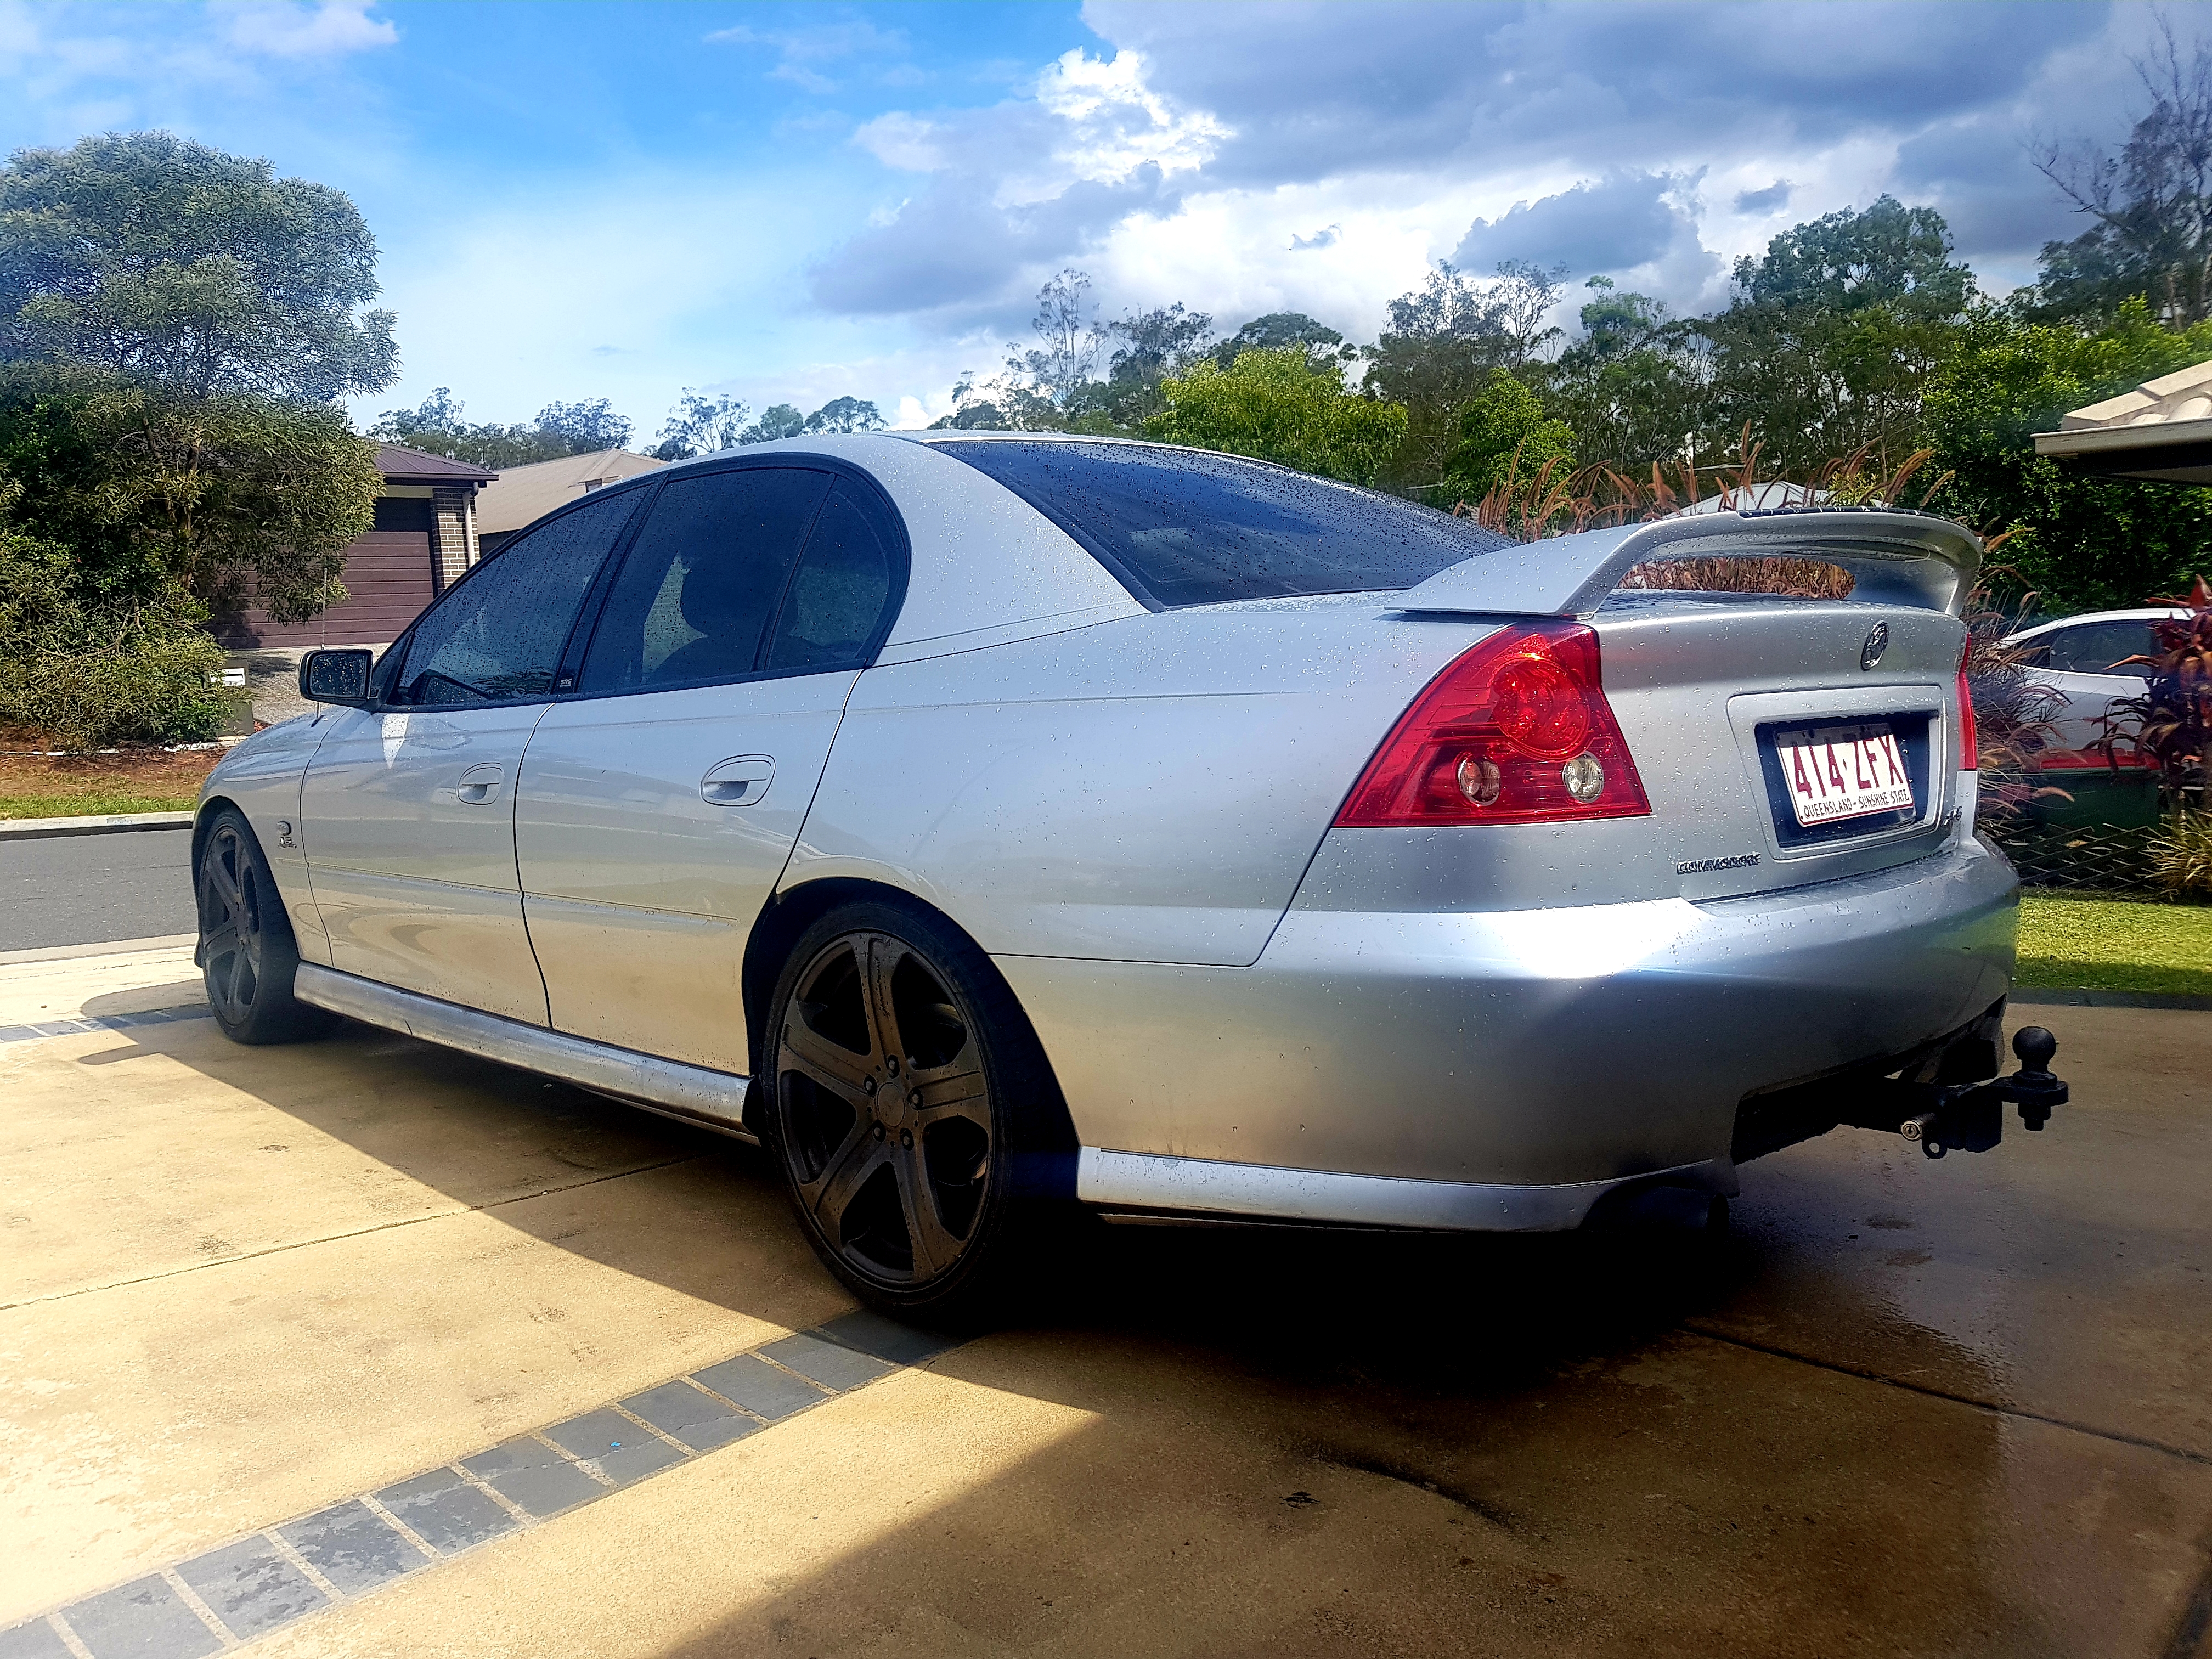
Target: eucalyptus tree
173 264
2149 205
1443 341
1830 336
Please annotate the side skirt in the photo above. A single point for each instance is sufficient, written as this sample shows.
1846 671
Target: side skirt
691 1094
1148 1188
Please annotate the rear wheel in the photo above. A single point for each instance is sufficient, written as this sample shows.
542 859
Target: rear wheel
899 1072
247 953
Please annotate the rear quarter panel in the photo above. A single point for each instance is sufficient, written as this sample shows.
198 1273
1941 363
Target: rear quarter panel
1146 789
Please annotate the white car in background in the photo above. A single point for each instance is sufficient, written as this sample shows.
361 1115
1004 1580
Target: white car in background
2080 658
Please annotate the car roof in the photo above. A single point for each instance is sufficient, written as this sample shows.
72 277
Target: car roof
2145 613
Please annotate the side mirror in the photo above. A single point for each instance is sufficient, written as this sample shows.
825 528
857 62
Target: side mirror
340 676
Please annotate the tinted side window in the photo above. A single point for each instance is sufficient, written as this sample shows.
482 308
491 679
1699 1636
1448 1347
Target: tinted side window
703 579
838 594
1185 527
2093 647
498 631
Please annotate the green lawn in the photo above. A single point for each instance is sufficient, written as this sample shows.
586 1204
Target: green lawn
2115 945
80 785
102 803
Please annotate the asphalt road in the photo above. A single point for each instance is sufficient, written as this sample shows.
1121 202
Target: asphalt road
359 1346
85 890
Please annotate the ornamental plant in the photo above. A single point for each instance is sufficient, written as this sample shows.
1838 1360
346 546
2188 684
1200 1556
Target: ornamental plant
2171 723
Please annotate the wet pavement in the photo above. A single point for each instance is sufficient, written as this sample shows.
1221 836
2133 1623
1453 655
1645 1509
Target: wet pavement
1954 1408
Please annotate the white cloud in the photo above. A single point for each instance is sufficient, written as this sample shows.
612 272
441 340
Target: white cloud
283 28
206 70
1111 122
1017 188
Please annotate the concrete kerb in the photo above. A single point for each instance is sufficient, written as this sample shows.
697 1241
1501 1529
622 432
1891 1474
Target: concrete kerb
114 947
107 824
2045 997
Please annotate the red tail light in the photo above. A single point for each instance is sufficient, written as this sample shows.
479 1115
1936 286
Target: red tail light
1970 744
1516 730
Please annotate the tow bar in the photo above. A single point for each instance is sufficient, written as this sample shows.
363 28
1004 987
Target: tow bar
1948 1097
1970 1116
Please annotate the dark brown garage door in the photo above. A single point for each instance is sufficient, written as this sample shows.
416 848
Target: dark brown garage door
389 578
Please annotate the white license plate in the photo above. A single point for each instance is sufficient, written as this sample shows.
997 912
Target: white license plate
1835 772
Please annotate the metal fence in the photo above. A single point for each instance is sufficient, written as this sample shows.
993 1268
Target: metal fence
2085 830
2079 857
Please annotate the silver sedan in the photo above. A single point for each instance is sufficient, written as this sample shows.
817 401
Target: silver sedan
997 826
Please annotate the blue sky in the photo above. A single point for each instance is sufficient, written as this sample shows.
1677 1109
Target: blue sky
791 203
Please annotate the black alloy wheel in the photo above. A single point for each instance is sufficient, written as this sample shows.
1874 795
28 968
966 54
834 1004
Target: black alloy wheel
247 953
884 1108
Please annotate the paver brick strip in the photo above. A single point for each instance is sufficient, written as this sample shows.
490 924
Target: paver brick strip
446 1511
533 1476
616 1446
692 1415
828 1363
54 1028
353 1546
144 1618
759 1387
252 1586
35 1640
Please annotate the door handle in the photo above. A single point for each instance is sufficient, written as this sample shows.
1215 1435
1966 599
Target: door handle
480 784
739 781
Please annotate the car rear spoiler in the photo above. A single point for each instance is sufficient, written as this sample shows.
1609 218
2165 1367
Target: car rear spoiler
1896 558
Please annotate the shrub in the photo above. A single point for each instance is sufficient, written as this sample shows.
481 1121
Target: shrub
147 691
1503 433
2181 856
85 679
2014 715
1796 579
1278 406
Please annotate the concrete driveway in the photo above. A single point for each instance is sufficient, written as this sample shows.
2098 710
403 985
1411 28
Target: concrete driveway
281 1328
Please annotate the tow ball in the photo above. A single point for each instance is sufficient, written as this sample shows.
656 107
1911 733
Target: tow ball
1970 1116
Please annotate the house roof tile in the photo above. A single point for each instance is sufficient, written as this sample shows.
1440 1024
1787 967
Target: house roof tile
397 461
524 493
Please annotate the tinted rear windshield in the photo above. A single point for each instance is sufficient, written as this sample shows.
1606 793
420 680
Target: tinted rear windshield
1183 527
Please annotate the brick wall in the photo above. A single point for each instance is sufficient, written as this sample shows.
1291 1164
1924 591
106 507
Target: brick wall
453 531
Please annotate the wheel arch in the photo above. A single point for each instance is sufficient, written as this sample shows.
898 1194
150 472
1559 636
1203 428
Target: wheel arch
289 879
204 816
787 916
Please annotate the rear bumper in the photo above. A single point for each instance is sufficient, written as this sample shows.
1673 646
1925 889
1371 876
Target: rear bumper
1553 1048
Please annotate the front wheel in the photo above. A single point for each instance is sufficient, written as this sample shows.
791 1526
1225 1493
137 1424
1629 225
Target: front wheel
900 1072
247 952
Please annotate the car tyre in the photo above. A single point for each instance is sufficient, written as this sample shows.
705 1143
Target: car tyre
909 1109
248 955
